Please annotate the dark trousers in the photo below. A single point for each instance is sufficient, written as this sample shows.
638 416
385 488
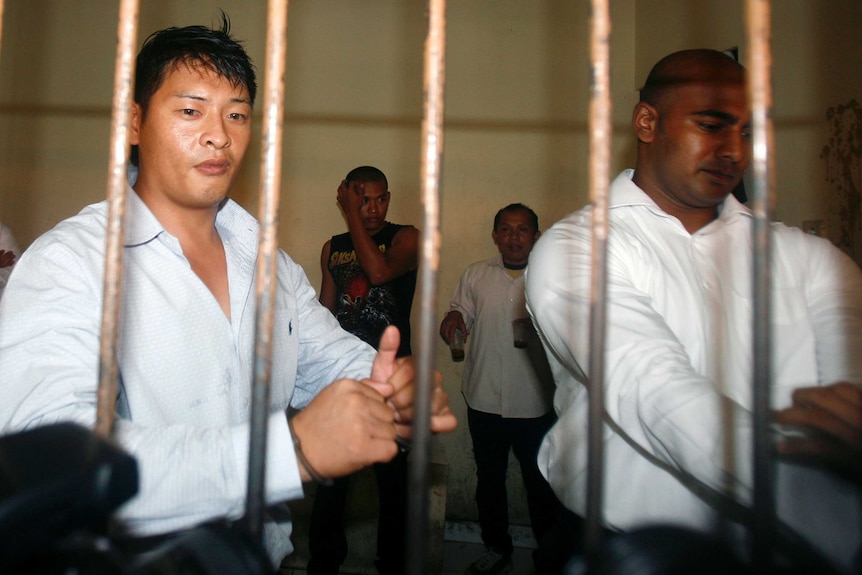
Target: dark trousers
493 436
327 543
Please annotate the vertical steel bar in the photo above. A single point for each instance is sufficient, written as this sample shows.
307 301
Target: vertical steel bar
124 69
267 259
432 151
1 22
600 153
760 95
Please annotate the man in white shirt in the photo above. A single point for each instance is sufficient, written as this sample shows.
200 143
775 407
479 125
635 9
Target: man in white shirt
678 352
186 344
508 388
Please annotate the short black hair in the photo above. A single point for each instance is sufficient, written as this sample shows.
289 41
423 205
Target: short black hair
364 174
211 48
685 67
534 219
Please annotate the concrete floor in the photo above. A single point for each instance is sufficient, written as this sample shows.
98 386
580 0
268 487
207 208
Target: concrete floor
457 556
456 545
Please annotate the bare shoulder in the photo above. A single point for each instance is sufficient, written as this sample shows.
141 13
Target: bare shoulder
406 233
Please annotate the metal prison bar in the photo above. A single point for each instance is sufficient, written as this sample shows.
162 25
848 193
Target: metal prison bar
432 151
1 19
758 35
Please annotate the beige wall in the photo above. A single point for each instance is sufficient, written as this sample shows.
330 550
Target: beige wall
516 114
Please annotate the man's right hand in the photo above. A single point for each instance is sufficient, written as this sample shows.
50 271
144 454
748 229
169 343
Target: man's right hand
350 197
453 320
347 427
7 258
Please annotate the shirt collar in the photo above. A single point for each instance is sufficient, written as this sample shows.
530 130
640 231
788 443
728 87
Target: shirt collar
232 221
497 261
624 193
141 225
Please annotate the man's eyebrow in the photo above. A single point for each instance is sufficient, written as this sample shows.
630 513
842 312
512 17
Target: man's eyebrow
192 96
718 115
189 96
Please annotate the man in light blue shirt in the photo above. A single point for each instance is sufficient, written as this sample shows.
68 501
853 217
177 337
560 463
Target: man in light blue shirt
186 342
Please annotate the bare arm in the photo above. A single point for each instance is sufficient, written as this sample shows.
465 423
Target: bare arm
328 292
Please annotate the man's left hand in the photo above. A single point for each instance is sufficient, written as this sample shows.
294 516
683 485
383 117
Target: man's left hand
394 379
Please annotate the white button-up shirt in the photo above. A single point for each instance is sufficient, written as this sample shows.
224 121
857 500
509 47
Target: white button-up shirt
679 363
498 377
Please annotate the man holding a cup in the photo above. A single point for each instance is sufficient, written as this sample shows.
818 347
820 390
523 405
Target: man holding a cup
506 382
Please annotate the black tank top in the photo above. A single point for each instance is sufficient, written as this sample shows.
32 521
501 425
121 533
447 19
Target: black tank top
364 309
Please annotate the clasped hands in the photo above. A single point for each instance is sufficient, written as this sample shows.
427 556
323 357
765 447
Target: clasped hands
351 424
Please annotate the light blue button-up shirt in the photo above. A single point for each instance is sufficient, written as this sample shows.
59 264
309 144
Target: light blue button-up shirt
185 368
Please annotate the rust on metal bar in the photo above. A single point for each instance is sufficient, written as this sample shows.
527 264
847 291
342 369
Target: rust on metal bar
267 259
759 64
599 184
432 151
124 69
1 21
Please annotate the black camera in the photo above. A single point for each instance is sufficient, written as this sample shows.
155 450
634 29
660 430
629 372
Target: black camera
59 486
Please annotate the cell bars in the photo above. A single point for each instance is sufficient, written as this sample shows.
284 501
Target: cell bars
600 122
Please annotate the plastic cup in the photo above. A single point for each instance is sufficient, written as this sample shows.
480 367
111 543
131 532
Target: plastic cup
521 329
456 346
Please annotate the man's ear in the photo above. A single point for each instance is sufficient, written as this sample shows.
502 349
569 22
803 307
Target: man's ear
645 121
135 124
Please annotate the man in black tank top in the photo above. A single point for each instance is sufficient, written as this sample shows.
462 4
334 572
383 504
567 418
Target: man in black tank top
369 276
363 308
